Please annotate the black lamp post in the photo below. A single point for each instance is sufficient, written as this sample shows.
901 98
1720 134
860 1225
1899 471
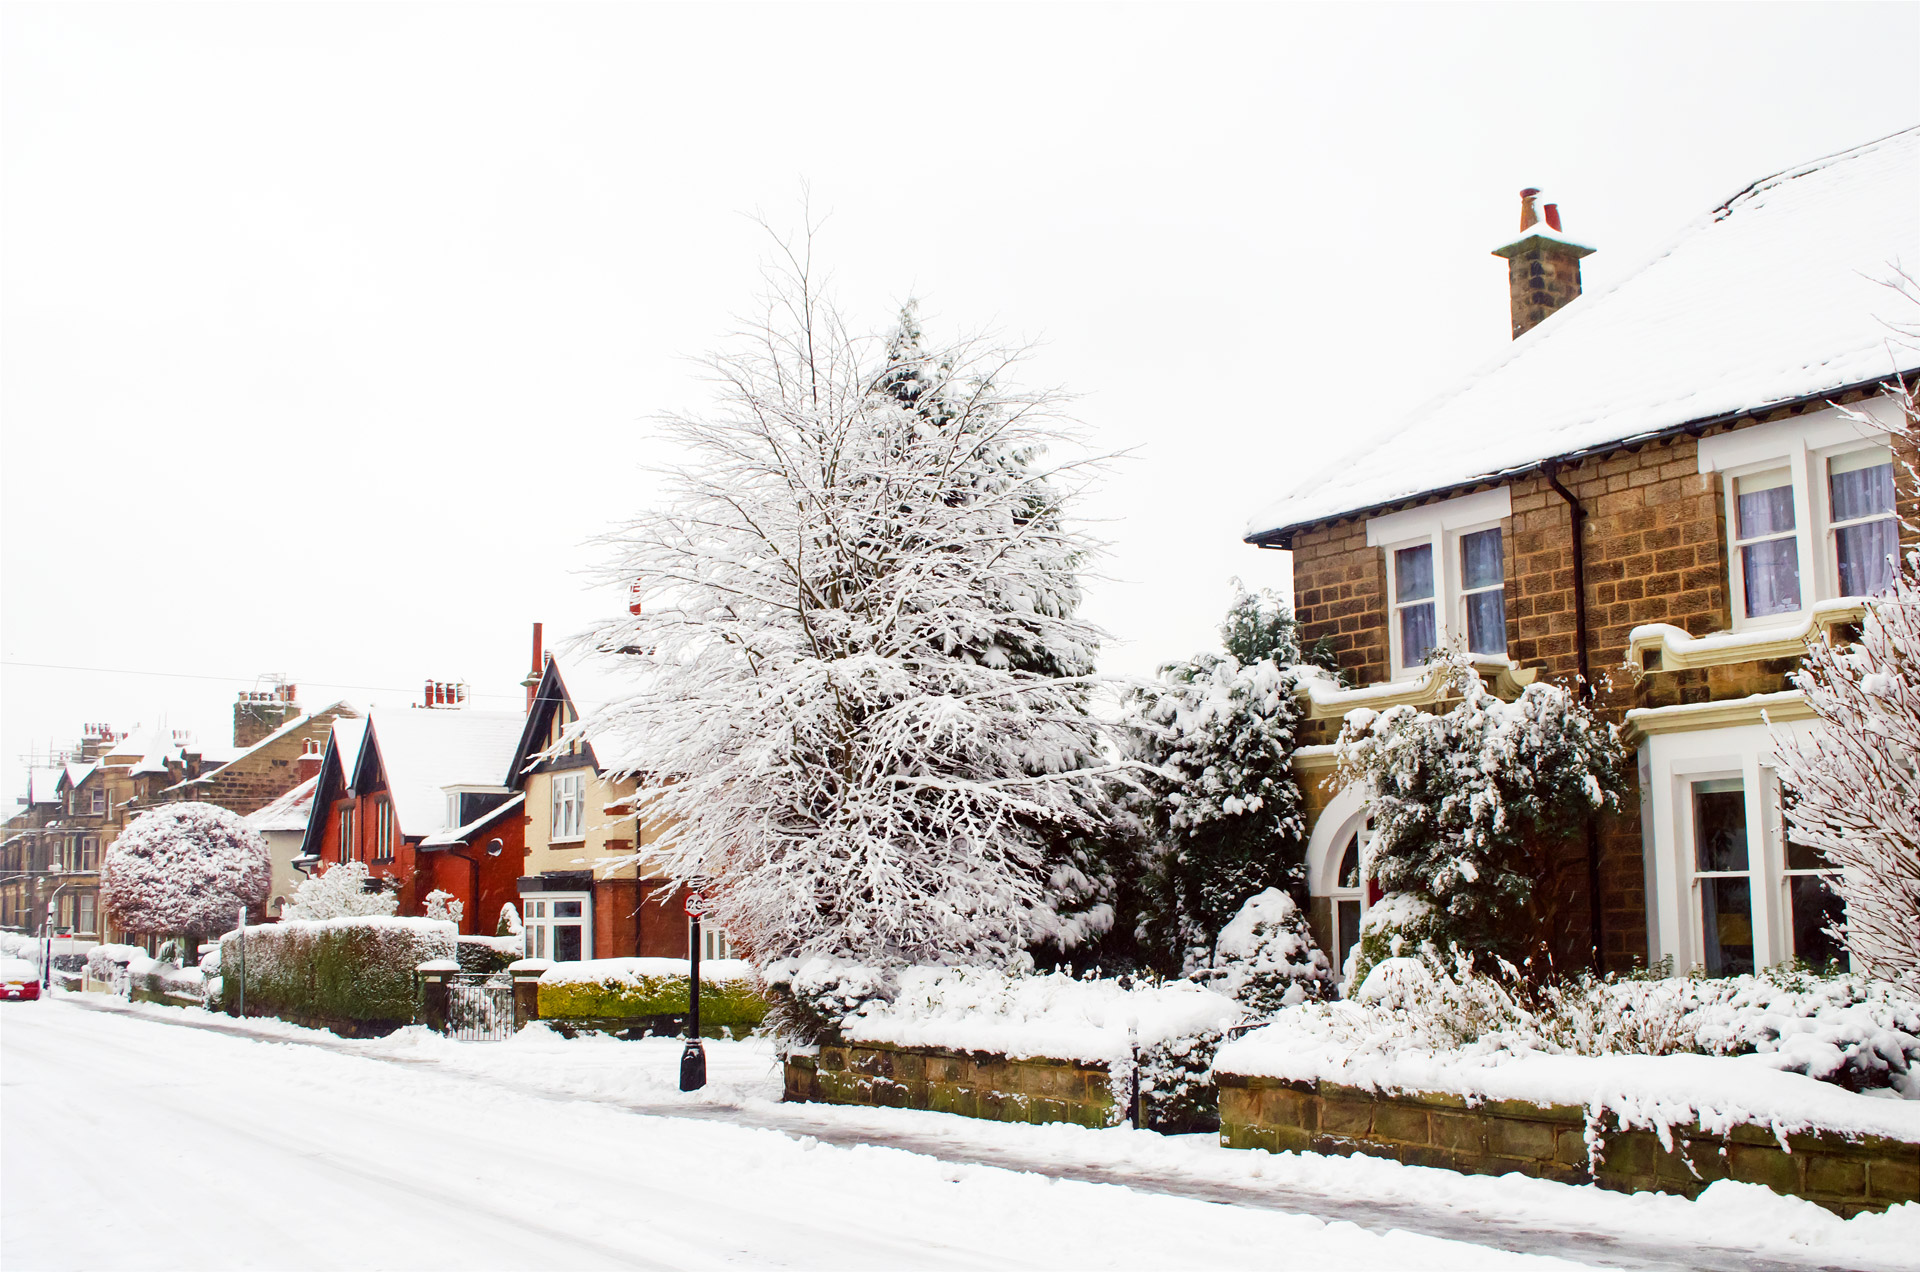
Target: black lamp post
693 1060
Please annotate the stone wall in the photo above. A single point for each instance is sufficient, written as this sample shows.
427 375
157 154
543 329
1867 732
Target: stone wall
972 1084
1846 1175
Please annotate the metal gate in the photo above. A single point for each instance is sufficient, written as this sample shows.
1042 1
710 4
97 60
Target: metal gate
479 1008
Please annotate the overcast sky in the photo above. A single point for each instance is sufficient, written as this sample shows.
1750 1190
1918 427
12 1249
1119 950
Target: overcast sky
331 333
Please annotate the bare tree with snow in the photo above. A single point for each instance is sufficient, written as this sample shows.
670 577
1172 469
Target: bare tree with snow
860 672
184 869
1854 784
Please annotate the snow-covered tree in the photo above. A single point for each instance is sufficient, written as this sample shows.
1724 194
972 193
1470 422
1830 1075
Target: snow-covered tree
1220 730
184 868
1470 809
443 905
1266 959
1854 785
509 924
340 892
858 601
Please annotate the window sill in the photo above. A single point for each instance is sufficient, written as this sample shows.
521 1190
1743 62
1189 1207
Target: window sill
576 839
1655 647
1421 687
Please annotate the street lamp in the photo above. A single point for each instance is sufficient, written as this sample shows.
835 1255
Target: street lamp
693 1060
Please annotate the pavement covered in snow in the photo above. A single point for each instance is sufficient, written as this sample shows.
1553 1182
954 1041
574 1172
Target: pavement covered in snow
129 1138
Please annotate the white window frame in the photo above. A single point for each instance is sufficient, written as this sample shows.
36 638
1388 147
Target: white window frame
538 922
383 831
347 844
569 791
1803 446
1831 553
97 802
1442 526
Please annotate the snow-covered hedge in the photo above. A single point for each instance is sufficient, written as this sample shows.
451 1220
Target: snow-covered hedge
153 981
348 969
624 988
103 961
490 953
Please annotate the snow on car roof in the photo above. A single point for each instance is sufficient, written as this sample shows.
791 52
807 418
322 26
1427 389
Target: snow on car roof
1776 296
426 750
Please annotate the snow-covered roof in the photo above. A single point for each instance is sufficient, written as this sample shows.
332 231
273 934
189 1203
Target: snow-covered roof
43 785
460 834
241 754
289 812
346 739
78 773
425 751
1774 297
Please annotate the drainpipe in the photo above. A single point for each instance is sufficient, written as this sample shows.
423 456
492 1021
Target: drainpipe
1577 522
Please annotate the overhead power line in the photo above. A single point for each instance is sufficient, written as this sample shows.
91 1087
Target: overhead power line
238 680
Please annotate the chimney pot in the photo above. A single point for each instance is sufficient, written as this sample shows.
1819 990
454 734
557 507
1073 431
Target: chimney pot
1528 217
1553 216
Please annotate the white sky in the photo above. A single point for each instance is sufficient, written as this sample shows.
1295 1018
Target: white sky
331 332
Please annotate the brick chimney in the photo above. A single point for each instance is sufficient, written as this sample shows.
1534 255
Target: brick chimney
310 756
1543 265
261 711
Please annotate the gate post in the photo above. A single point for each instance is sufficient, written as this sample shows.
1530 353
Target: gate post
526 989
435 976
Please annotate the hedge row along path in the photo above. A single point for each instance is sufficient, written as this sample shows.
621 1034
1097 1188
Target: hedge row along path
1011 1147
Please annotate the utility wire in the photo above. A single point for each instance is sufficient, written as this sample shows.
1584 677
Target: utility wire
238 680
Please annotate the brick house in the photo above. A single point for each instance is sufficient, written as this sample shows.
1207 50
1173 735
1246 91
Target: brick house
1655 490
584 894
416 796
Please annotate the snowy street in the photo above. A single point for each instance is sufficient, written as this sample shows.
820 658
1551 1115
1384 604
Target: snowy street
132 1141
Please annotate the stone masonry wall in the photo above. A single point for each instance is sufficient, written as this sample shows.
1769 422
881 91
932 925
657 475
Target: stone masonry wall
972 1084
1846 1175
264 774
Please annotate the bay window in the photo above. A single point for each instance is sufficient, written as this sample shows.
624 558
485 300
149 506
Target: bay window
1723 876
1866 535
1765 543
558 926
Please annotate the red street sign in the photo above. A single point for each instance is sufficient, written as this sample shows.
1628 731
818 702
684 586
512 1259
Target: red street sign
696 906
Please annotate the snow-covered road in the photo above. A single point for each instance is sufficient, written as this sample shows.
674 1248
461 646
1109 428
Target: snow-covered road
128 1141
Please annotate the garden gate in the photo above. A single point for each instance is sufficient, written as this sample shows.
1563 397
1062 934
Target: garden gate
479 1007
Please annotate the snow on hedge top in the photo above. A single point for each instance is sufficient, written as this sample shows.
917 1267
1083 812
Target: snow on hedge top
423 752
636 972
1773 296
371 922
1057 1016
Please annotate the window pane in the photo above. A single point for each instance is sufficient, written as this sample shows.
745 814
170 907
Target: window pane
566 943
566 909
1417 637
1719 827
1726 922
1347 916
1816 908
1860 486
1413 573
540 942
1803 857
1480 559
1765 504
1771 571
1487 622
1350 864
1866 554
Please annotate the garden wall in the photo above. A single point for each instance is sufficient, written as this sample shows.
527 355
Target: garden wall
1845 1174
971 1084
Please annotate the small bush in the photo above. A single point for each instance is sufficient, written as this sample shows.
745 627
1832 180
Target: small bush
808 998
1266 959
335 970
488 954
1177 1091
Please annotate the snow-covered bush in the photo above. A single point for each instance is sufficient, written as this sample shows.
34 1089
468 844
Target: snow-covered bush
1266 959
340 892
1177 1090
1470 806
184 868
809 997
152 980
105 961
445 906
629 988
1854 787
509 924
1219 731
487 954
859 598
345 972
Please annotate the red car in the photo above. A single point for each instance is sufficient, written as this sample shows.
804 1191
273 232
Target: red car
19 980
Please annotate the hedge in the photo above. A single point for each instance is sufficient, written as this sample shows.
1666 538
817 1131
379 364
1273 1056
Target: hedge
630 988
355 974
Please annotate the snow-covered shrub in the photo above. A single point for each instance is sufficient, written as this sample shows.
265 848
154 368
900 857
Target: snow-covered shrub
808 998
1469 807
1265 958
628 988
335 971
105 961
152 980
445 906
340 891
1177 1090
1854 786
184 868
1227 816
488 954
859 675
509 924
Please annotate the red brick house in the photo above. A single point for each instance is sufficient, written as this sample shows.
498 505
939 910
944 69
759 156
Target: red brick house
1663 490
416 796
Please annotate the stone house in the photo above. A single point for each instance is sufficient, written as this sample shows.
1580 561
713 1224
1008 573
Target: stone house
1661 491
588 891
415 795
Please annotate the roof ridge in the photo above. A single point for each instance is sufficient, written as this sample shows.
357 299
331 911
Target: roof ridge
1796 171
